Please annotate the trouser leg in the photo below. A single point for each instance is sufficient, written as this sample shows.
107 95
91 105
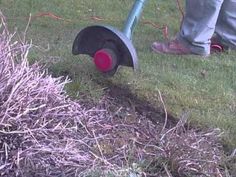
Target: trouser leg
226 24
199 24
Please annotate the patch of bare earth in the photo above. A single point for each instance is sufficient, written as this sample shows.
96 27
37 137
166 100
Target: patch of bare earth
45 133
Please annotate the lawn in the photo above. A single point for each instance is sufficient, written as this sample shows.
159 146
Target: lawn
202 89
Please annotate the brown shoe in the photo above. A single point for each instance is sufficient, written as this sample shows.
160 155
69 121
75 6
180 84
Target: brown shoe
171 47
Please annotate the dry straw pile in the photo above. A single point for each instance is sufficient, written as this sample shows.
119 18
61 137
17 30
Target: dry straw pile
45 133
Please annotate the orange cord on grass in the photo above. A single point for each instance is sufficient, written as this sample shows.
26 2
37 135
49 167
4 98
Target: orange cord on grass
49 14
180 8
163 28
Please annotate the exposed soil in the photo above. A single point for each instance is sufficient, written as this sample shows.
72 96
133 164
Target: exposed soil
123 96
137 130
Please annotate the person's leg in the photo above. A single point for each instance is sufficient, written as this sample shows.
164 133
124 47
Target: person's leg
226 24
199 24
197 28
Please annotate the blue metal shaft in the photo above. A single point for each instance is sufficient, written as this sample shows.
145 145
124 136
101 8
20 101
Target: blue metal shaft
133 18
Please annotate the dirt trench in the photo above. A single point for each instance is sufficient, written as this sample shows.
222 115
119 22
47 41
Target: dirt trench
124 97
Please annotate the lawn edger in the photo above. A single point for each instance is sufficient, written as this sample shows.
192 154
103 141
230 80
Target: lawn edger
108 46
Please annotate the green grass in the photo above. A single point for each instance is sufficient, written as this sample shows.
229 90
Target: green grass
205 88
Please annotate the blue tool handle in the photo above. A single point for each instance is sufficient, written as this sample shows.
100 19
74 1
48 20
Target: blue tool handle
133 18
